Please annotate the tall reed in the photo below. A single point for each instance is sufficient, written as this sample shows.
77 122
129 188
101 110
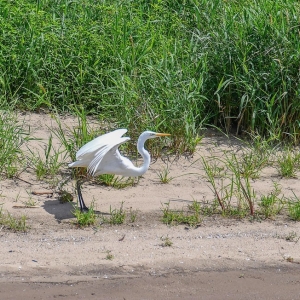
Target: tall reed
161 65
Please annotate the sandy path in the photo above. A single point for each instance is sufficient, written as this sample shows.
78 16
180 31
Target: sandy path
221 259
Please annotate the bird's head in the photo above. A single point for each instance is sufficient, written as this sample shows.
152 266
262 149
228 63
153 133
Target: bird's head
152 135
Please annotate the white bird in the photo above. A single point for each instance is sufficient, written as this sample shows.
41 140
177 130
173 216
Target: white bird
102 156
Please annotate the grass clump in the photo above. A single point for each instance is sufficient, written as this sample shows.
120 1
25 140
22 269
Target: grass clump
84 219
164 175
109 255
50 163
191 217
271 204
10 222
133 215
117 182
288 163
74 138
166 241
12 137
117 216
230 188
292 237
294 208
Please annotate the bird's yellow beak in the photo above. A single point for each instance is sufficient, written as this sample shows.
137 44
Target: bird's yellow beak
162 134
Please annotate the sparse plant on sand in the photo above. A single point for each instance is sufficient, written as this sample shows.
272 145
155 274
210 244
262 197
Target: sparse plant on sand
50 163
292 237
14 223
166 241
12 136
109 255
116 216
87 218
189 217
294 208
287 164
132 215
74 138
164 175
117 182
271 204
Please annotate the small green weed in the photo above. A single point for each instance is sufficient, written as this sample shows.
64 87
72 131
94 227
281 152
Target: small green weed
255 156
271 204
208 209
238 212
13 223
50 164
109 255
289 259
132 215
117 216
12 137
163 175
30 202
64 196
190 217
74 138
106 179
17 223
84 219
232 186
287 164
209 169
240 183
294 210
252 163
292 237
166 241
117 182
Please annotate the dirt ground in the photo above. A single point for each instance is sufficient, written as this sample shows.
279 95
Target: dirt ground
222 258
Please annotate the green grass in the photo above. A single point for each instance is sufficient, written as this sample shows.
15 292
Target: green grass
50 162
109 255
190 216
164 175
166 241
84 219
230 178
13 135
288 163
14 223
169 66
73 138
117 182
271 204
294 208
117 216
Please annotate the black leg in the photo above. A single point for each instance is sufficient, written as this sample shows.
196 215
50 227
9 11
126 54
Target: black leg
83 207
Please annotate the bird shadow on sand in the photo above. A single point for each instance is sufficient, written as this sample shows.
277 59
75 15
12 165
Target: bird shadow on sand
62 211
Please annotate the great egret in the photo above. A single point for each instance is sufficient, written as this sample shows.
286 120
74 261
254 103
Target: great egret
102 156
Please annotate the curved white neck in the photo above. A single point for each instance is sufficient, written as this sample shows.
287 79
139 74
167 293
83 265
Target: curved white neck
139 171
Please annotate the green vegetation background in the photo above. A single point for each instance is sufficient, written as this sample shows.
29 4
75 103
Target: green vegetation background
164 65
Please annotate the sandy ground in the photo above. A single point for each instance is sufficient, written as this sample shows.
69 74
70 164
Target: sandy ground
222 258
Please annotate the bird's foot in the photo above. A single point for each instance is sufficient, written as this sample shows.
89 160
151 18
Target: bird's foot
84 210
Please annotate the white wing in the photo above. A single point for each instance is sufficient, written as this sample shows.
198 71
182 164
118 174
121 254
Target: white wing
110 150
99 142
91 154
